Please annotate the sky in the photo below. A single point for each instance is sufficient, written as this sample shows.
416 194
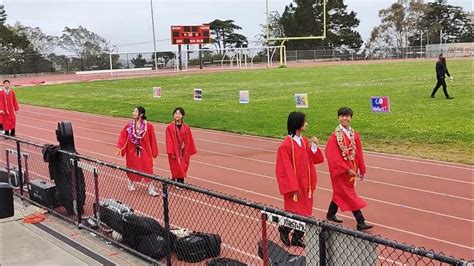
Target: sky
125 22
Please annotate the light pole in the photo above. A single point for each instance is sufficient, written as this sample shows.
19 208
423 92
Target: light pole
154 40
268 32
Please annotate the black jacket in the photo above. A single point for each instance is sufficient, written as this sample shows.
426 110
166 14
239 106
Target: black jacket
441 70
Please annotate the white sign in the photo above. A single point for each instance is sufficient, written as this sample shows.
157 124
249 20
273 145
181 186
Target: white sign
301 100
156 92
244 97
197 94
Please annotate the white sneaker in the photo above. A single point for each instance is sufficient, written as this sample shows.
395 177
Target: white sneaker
131 186
151 190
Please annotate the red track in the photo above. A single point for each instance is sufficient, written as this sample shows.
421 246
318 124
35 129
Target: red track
420 202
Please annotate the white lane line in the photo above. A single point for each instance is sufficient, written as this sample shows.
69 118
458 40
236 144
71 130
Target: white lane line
280 200
266 176
272 151
374 154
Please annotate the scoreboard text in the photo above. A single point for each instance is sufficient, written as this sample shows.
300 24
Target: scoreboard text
190 34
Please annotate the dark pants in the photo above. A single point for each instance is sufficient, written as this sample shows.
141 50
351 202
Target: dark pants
441 82
357 214
180 180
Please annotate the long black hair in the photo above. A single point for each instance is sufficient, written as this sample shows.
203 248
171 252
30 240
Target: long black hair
295 121
141 111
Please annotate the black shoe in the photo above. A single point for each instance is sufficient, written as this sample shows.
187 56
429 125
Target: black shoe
334 219
449 98
364 226
284 236
297 240
432 96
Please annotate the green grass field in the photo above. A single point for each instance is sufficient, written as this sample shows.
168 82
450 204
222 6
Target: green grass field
417 126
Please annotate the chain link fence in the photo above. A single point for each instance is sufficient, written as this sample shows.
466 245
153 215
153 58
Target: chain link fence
140 63
187 224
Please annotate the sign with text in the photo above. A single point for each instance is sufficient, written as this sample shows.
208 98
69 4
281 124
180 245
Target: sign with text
199 34
380 104
301 100
156 92
244 97
197 94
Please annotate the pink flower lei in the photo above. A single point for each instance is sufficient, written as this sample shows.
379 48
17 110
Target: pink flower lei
136 136
347 153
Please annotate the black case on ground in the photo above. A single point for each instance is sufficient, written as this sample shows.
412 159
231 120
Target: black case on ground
43 192
278 256
113 213
154 246
197 247
14 178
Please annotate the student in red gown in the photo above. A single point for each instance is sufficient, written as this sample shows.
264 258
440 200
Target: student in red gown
346 165
8 109
179 145
296 174
137 142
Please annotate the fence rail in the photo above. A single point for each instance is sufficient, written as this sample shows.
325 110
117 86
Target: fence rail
160 229
208 58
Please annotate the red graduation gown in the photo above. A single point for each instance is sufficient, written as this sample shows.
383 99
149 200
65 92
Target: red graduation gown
180 143
143 162
291 157
343 188
9 106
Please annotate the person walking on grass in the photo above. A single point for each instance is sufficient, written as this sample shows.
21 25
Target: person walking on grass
346 165
296 174
8 109
179 145
137 142
441 71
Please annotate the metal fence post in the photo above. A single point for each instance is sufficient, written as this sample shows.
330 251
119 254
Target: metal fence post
322 247
75 186
166 219
96 193
264 240
20 173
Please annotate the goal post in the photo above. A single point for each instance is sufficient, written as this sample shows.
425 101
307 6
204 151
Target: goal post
298 38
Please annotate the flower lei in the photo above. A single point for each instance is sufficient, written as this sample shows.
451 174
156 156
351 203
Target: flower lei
347 153
136 136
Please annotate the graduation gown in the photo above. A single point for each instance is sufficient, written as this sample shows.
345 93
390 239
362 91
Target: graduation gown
180 143
9 106
295 172
343 186
143 161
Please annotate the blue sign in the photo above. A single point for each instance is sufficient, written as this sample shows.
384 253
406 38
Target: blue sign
380 104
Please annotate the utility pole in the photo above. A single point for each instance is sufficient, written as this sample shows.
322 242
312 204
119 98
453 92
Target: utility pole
154 39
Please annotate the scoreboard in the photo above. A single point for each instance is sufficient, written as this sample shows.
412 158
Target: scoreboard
190 34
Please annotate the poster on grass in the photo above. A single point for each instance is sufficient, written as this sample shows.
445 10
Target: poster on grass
244 97
380 104
197 94
301 100
156 92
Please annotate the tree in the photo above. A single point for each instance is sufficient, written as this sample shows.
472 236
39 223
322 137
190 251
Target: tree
162 57
139 61
224 36
306 18
275 29
454 22
91 48
40 42
404 22
3 14
401 24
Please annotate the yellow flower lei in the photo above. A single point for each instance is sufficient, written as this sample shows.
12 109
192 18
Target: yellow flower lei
347 153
